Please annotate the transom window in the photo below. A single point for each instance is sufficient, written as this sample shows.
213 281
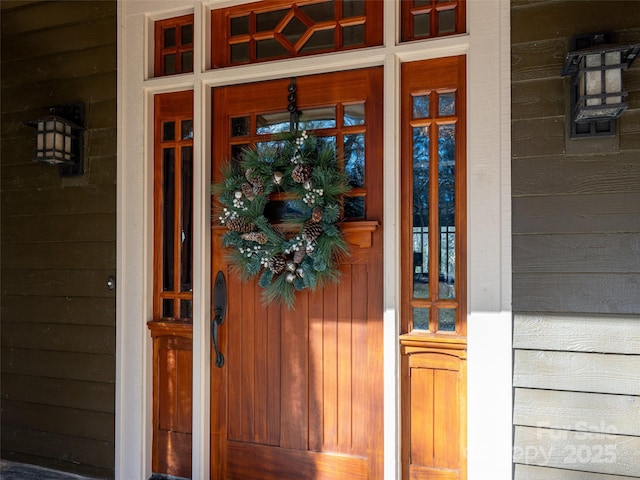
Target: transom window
423 19
272 30
174 46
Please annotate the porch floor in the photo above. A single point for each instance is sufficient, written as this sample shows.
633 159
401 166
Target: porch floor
21 471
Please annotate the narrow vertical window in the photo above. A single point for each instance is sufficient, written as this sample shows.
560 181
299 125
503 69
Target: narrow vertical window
433 197
422 19
173 206
173 46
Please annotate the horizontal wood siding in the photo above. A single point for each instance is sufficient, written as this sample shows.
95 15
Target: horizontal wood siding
576 257
57 244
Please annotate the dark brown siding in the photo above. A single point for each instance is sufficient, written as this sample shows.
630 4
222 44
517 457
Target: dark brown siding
58 240
576 218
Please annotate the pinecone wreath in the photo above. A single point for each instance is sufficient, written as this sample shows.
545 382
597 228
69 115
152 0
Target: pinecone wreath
304 252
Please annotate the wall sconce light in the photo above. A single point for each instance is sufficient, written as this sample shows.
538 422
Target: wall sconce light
597 97
59 139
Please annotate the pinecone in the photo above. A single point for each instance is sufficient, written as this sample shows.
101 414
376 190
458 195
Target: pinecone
241 225
301 173
250 174
257 237
258 186
247 189
311 231
316 215
299 255
277 264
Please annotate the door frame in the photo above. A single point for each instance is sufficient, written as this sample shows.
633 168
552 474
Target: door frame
489 229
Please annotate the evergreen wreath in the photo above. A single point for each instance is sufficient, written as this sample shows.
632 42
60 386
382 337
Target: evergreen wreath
307 172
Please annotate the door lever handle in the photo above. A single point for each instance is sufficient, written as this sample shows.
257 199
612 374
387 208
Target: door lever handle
219 311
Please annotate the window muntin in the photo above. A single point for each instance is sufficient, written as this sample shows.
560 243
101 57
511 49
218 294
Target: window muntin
433 197
263 31
423 19
173 206
343 125
173 46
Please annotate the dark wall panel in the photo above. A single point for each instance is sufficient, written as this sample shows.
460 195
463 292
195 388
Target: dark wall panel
57 243
575 218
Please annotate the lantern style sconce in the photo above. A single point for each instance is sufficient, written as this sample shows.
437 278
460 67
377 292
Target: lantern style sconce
597 96
59 139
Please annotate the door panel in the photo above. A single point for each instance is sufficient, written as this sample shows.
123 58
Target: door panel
300 393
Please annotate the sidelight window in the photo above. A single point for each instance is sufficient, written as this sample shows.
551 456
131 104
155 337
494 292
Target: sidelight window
433 199
173 201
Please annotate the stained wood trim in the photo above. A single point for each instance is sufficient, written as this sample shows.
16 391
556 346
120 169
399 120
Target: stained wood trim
359 234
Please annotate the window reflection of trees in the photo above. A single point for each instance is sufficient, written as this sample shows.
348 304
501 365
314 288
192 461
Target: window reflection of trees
446 207
354 151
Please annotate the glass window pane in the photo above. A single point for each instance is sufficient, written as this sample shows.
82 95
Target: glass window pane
239 126
447 21
421 106
354 163
240 25
282 210
446 104
447 319
187 129
186 309
353 35
421 319
421 178
186 33
186 258
236 152
353 8
170 63
168 131
269 20
319 12
446 209
239 52
270 48
270 123
319 40
167 308
421 262
354 207
353 115
421 3
168 207
294 30
186 62
315 118
422 25
169 37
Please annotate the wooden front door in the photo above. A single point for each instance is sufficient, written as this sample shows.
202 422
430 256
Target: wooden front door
300 394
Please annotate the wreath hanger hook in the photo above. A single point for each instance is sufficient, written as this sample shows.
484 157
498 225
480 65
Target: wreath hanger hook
294 112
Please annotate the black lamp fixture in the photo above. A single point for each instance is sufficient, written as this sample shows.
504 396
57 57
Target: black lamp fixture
59 139
597 97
